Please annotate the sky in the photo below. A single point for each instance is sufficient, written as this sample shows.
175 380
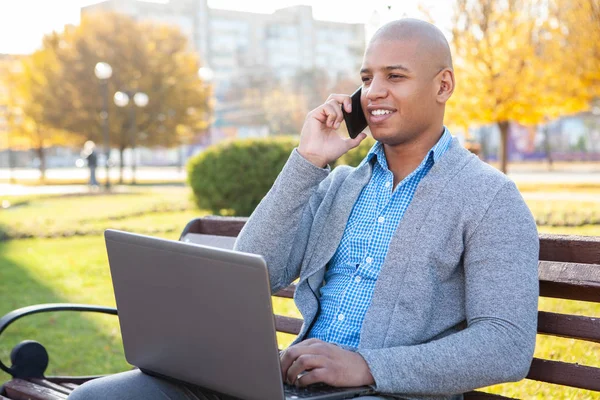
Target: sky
23 23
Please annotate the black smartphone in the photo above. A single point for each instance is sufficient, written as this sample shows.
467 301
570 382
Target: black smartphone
355 121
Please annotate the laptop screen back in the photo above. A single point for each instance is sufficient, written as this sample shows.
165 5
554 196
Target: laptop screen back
196 313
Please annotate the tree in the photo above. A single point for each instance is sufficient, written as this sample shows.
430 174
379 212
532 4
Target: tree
313 85
22 112
508 66
284 111
7 109
155 59
578 22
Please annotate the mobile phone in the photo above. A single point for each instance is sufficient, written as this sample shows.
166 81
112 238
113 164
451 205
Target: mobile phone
355 121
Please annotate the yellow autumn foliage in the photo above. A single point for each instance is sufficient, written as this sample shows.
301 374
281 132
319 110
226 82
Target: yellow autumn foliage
525 61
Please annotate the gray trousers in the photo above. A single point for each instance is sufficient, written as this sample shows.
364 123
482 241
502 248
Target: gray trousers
135 385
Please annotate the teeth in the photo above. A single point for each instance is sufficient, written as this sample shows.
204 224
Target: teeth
380 112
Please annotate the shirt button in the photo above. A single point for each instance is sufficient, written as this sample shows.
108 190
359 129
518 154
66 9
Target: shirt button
357 279
341 317
369 260
381 220
387 184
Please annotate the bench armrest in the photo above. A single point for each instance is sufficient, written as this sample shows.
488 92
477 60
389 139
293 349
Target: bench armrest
29 358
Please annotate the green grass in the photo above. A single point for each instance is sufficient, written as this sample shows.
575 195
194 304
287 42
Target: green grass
53 216
69 270
565 213
74 269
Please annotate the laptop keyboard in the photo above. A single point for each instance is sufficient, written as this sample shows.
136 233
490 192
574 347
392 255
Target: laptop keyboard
317 389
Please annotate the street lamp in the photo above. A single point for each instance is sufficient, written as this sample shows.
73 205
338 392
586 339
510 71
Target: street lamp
103 72
207 77
140 99
206 74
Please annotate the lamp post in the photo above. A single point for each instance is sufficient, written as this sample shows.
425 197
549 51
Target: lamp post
596 114
207 77
103 72
206 74
140 99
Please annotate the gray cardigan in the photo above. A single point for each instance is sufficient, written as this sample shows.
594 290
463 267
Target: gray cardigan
455 304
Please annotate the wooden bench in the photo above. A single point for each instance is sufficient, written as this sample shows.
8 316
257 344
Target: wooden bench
569 268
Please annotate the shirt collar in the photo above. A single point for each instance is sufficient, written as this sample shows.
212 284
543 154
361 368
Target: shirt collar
436 151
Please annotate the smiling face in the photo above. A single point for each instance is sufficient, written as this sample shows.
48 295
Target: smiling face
407 78
399 92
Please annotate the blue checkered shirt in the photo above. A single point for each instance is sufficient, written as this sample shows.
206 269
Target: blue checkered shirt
352 272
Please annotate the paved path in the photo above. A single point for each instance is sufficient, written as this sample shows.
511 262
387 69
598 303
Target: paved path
173 174
21 190
142 174
576 174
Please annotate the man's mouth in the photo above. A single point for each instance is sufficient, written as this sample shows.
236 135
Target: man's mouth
379 115
380 112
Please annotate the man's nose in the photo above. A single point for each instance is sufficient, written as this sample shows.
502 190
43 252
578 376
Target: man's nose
376 90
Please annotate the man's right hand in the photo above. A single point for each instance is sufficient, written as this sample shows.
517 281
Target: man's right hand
319 141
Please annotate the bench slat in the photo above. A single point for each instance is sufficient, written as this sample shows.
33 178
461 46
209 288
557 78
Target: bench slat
562 325
570 248
562 373
19 389
570 326
51 385
562 248
570 291
72 380
573 281
287 292
223 242
213 225
71 386
288 324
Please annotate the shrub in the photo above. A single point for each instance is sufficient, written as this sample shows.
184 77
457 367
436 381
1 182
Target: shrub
233 177
356 155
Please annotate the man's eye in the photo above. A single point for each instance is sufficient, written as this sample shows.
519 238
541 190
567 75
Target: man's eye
365 79
396 76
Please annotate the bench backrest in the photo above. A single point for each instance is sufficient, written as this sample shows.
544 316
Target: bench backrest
569 268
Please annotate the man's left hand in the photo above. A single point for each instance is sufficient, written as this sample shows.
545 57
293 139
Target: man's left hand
314 361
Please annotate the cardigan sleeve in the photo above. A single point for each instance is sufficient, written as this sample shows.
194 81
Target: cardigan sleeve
279 227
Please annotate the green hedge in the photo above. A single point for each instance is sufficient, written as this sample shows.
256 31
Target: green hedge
232 178
356 155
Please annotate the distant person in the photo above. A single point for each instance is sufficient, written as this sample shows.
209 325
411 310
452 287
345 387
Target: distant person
90 155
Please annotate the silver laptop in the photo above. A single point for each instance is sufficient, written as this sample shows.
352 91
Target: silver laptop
201 315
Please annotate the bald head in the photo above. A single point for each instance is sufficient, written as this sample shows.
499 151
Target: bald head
431 41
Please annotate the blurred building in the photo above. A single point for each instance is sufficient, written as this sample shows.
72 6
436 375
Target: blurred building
282 43
248 50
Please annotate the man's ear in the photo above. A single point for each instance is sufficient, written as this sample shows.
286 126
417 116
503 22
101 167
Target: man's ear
446 85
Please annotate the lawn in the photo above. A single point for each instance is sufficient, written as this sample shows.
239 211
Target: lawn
57 255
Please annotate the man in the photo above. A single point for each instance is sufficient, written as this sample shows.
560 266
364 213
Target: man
89 153
418 269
